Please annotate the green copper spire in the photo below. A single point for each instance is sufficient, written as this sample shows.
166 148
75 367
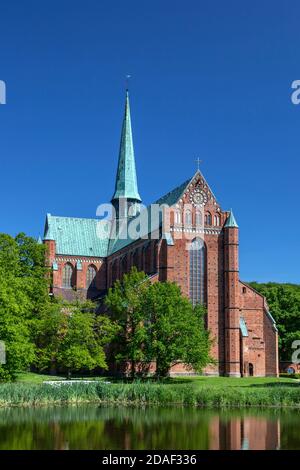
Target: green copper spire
126 181
231 222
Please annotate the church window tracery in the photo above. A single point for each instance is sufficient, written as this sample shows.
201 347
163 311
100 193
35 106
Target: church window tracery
197 271
91 277
68 276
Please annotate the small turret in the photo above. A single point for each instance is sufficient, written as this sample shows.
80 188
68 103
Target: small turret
231 222
49 241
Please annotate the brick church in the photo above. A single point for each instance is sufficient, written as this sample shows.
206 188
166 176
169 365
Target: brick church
184 237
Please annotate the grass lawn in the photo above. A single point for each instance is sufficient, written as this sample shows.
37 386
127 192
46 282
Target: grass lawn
221 382
194 381
33 378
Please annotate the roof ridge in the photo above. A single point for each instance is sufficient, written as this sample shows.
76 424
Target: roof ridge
184 184
78 218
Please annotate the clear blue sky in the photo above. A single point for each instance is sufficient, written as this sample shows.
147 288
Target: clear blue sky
210 79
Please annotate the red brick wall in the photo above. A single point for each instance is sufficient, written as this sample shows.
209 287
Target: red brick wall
261 347
271 354
50 251
80 287
143 254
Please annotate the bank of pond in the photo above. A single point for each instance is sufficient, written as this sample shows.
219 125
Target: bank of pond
148 393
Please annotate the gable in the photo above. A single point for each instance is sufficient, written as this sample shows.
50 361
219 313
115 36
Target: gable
187 192
182 193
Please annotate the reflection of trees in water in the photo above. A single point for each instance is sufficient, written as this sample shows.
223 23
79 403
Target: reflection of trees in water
92 427
99 428
290 432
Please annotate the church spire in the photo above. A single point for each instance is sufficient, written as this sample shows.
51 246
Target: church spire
126 181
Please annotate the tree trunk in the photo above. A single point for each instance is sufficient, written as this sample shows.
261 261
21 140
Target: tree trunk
132 369
162 370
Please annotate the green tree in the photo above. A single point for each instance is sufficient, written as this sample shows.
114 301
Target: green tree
175 329
71 337
50 330
125 301
23 290
15 324
156 323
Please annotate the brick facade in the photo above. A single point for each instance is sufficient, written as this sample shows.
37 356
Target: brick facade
243 331
227 298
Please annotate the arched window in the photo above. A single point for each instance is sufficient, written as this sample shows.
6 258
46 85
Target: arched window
123 266
68 276
188 217
154 257
114 271
130 261
177 217
148 259
217 220
135 260
91 277
197 271
208 218
198 218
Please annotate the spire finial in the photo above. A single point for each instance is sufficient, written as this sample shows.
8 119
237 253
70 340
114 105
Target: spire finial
127 82
198 161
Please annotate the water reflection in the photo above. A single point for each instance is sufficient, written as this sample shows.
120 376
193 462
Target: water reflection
91 427
245 433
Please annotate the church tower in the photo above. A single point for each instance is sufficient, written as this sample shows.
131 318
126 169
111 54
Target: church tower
232 298
126 199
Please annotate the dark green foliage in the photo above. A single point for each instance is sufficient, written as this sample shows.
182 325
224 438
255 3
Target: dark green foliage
23 290
70 337
157 323
36 330
126 305
175 329
284 303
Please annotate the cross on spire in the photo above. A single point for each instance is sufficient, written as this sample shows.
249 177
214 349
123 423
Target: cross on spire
198 161
127 81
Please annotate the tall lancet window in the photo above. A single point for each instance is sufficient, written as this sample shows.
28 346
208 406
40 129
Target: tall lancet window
188 217
68 276
198 218
91 277
197 271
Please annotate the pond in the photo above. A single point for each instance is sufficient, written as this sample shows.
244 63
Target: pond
93 427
